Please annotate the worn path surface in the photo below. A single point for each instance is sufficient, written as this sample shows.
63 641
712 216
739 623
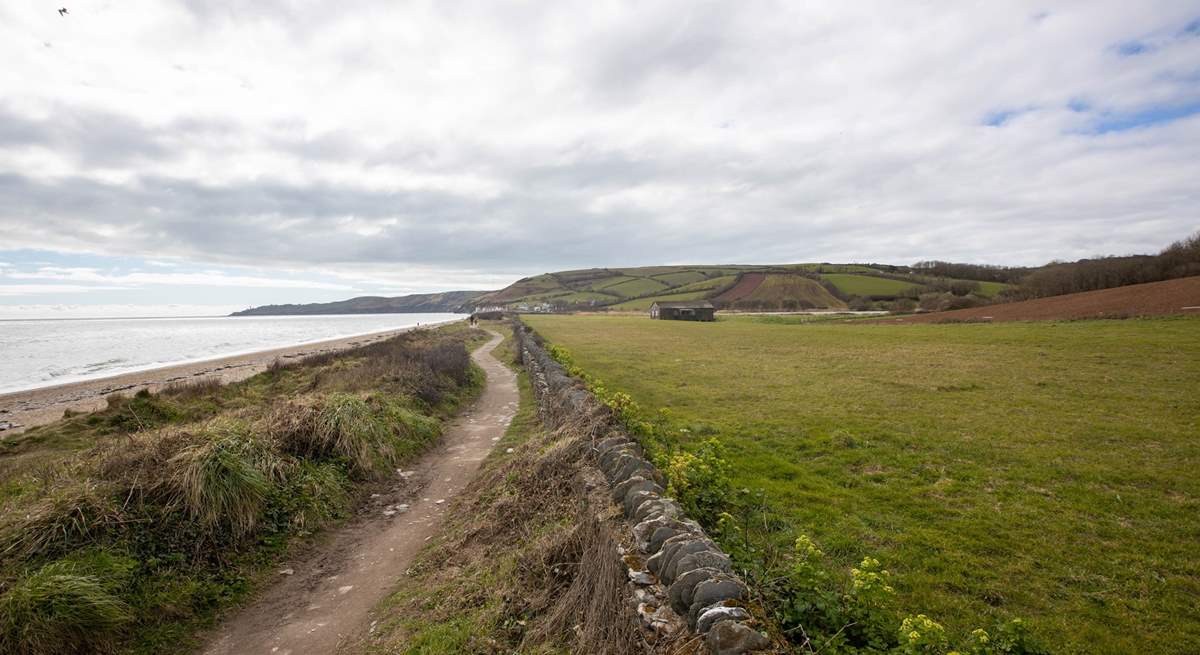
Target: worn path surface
328 596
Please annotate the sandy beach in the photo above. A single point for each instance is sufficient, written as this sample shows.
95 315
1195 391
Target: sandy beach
25 409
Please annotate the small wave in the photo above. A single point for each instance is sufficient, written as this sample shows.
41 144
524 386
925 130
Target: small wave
100 366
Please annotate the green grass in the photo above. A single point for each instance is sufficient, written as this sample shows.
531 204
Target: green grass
1037 470
644 303
990 289
603 283
866 285
711 283
637 287
681 278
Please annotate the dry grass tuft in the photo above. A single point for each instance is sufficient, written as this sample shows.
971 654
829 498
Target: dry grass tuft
59 610
593 606
197 388
67 518
226 477
342 425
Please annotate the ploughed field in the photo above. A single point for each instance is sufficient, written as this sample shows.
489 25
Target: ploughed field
1180 296
1037 470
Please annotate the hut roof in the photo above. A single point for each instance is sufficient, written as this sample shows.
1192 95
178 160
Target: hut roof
690 304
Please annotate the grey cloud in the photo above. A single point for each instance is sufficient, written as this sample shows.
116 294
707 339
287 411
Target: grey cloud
848 139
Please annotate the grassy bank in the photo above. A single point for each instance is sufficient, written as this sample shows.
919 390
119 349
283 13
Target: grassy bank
126 529
1043 471
520 565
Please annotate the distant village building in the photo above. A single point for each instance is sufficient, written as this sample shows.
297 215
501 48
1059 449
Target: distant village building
695 310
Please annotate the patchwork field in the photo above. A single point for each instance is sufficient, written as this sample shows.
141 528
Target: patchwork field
866 285
1036 470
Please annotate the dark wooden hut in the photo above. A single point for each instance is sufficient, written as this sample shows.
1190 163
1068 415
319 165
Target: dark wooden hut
692 310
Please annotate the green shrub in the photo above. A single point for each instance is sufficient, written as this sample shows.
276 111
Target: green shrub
411 431
66 519
316 494
225 479
348 427
59 610
700 480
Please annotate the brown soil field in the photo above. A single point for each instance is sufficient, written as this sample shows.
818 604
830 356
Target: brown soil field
745 286
1180 296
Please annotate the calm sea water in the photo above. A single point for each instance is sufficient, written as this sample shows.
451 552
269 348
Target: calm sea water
39 353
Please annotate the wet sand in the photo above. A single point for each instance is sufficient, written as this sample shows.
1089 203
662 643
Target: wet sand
20 410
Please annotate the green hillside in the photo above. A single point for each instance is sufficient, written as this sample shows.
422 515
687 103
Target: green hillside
617 288
866 285
743 287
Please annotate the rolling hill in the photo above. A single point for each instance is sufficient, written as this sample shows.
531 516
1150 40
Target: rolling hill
449 301
766 287
741 287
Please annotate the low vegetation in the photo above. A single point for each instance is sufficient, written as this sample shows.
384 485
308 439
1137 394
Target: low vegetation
517 567
125 529
921 489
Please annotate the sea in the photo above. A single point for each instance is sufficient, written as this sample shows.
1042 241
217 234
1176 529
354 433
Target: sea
38 353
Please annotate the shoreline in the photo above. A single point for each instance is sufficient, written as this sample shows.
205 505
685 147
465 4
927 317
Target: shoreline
33 407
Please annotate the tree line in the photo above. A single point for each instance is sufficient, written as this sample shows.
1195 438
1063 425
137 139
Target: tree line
1180 259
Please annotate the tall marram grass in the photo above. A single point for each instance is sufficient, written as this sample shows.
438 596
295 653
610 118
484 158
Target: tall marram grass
66 518
59 609
343 425
224 480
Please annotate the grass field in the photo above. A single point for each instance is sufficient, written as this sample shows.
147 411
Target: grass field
638 304
990 289
1037 470
636 287
866 285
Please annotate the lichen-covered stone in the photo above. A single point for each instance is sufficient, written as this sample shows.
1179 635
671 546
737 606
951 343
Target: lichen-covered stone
714 614
696 545
715 590
680 591
674 528
666 506
631 467
659 559
643 531
635 498
706 559
612 459
734 638
606 444
636 483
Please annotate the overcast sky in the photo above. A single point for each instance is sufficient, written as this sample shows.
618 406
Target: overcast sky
205 153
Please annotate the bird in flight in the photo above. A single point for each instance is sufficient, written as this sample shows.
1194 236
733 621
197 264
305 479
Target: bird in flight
63 11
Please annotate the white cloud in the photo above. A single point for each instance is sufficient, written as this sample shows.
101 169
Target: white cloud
60 311
424 147
211 278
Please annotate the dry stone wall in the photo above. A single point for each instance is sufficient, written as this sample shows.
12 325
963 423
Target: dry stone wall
679 578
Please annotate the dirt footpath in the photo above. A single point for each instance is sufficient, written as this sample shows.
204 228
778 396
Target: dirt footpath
328 596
